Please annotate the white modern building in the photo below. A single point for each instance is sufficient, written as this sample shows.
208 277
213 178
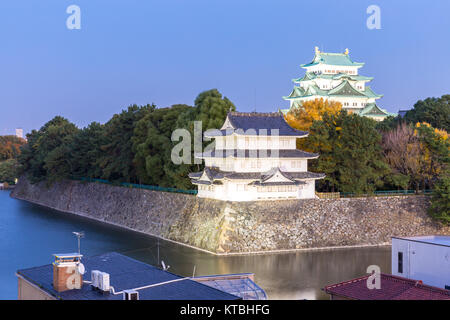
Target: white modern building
255 158
424 258
19 133
335 77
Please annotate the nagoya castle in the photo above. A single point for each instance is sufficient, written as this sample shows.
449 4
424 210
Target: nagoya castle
334 76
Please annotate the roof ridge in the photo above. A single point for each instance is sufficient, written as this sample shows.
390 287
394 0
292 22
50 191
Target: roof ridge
334 53
416 283
255 114
348 281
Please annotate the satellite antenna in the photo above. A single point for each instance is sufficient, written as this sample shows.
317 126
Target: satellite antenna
79 235
165 268
81 269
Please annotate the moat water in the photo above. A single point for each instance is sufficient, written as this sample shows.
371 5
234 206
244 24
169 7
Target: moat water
30 234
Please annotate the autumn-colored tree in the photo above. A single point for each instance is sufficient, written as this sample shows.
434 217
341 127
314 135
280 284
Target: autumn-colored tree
435 152
10 147
416 155
402 151
301 117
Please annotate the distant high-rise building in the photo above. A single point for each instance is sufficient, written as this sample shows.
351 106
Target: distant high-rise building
19 133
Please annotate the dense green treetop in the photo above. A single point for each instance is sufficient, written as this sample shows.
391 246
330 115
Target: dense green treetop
45 156
350 153
9 171
134 146
435 111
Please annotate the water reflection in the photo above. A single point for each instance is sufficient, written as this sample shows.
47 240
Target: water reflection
29 234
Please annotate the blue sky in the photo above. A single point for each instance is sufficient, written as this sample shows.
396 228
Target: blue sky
168 51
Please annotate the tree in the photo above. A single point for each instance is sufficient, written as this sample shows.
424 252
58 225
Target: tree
402 151
85 150
389 123
116 161
10 147
46 155
152 144
350 153
303 116
440 200
435 111
133 146
211 108
9 171
435 152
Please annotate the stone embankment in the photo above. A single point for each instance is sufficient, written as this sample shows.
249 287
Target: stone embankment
232 227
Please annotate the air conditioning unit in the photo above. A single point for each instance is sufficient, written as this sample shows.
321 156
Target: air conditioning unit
103 281
130 295
95 275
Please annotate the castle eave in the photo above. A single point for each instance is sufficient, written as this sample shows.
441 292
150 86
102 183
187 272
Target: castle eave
257 154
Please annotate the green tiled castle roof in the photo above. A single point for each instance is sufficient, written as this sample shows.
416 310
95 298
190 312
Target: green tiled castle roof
312 90
335 59
345 89
370 94
373 110
312 76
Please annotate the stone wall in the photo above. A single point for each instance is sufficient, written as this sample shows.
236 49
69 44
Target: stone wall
227 227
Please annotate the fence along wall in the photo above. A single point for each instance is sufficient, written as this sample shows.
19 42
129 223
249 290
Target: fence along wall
138 186
232 227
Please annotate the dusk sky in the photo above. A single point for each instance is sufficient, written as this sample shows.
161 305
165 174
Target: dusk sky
168 51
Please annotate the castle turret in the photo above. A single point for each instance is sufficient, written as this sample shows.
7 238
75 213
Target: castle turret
255 158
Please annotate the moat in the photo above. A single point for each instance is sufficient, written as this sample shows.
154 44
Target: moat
30 234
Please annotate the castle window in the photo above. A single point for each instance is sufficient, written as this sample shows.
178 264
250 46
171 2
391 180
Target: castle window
285 142
296 164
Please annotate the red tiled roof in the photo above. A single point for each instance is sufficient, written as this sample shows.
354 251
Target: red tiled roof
392 288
